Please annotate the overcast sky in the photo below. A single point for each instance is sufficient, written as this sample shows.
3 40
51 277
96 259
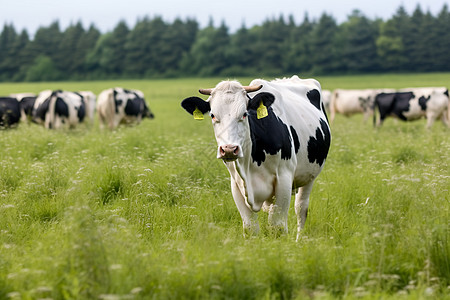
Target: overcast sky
105 14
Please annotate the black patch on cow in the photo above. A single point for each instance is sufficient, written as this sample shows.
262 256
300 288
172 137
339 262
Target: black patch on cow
314 98
365 103
269 134
27 104
41 110
423 102
189 104
393 103
61 108
296 140
134 107
319 144
81 110
9 111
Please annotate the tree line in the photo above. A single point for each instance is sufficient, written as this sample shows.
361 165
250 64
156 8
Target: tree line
155 48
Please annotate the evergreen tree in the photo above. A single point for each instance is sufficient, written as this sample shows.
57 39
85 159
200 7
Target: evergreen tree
8 39
242 53
177 41
442 38
70 58
116 55
86 43
360 51
208 53
271 46
326 56
390 47
46 41
298 57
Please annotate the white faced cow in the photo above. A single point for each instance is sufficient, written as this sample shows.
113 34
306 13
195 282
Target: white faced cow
350 102
59 109
414 103
118 105
273 136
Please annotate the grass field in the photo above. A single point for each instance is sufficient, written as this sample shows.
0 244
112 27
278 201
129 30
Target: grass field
146 212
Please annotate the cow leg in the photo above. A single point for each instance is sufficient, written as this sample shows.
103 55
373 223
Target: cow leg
301 206
249 218
430 119
278 212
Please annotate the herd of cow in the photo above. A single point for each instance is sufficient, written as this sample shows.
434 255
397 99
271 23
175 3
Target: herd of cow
273 136
407 104
57 109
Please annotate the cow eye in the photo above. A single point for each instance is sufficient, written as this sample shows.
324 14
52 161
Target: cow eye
213 117
244 115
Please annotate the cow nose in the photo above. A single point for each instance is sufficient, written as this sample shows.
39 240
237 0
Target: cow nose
229 152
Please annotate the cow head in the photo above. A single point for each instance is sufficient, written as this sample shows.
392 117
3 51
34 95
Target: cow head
228 104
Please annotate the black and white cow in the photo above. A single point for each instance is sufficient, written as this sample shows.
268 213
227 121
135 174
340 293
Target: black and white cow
9 112
273 137
414 103
350 102
57 109
118 105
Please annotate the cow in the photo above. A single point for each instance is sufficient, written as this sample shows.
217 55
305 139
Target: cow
414 103
57 109
350 102
9 112
273 137
118 105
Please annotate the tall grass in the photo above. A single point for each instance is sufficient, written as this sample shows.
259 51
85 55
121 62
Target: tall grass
146 211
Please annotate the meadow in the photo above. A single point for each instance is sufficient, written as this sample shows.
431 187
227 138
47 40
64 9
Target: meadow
146 212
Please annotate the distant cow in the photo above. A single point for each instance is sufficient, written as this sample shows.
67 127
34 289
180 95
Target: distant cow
9 112
413 104
118 105
350 102
59 109
273 137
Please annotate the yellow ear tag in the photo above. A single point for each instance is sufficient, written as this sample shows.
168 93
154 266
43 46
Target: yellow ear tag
261 112
198 115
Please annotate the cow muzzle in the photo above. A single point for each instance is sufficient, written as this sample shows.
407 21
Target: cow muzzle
229 152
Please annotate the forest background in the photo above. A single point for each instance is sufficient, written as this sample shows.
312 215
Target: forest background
155 48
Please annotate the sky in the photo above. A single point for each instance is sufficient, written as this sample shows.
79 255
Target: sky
106 14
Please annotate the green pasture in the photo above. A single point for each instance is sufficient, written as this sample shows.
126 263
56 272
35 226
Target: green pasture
146 212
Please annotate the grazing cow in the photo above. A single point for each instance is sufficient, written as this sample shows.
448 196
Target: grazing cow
118 105
9 112
349 102
413 104
60 108
273 137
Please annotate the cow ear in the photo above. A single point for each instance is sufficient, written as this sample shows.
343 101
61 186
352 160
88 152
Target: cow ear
192 103
266 98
